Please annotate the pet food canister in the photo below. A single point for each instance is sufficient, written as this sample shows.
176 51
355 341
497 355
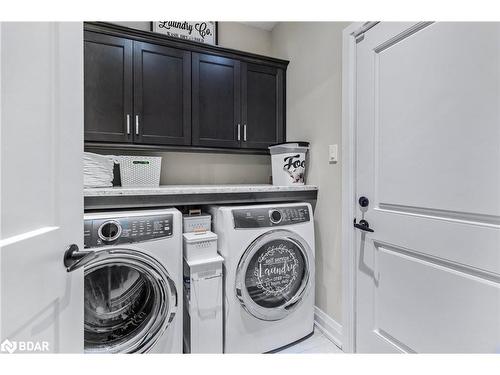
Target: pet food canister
288 161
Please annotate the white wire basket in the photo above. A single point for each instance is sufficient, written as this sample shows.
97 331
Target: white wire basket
139 170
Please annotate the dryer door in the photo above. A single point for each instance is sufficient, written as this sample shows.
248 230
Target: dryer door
130 300
274 274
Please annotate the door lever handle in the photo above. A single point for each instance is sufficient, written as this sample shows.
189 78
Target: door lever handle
74 258
363 225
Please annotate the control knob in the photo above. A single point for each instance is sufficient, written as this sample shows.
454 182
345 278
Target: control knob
275 216
109 231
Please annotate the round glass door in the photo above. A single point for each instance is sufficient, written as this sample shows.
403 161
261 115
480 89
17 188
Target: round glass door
129 301
273 274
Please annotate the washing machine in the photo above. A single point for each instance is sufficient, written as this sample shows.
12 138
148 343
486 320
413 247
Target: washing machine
268 253
133 281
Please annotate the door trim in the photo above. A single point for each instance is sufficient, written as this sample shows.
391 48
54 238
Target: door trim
350 37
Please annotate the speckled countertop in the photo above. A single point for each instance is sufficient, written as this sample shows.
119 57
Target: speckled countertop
193 189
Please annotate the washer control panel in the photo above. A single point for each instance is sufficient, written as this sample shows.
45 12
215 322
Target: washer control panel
114 231
270 216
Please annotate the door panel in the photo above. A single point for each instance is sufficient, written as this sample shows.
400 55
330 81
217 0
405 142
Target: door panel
408 279
437 88
428 159
108 88
41 161
162 95
216 101
262 110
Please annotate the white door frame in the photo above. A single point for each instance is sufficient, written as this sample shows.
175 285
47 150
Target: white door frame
351 35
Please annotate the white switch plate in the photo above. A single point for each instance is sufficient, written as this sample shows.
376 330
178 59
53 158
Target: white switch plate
333 153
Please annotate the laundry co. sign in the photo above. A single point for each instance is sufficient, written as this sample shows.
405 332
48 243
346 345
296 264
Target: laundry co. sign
198 31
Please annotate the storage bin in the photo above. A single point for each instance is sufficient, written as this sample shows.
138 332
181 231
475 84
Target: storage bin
288 162
203 306
199 245
196 223
138 171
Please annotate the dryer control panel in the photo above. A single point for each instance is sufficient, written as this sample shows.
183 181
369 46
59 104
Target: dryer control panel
270 217
114 231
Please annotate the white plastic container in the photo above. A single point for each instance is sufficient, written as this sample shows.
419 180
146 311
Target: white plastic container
196 223
289 163
199 245
203 305
139 171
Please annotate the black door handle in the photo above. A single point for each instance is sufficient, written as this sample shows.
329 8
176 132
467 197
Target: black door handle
363 225
74 258
363 201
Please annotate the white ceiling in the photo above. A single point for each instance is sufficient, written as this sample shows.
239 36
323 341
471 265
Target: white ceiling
262 25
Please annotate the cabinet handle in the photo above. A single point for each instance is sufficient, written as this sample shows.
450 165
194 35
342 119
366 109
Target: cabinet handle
137 124
239 132
128 124
245 132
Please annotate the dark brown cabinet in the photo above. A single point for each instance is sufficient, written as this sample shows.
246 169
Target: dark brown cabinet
148 91
107 88
162 95
216 101
136 92
262 106
236 104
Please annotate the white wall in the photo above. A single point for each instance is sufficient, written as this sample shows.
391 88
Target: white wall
194 168
244 37
314 114
212 168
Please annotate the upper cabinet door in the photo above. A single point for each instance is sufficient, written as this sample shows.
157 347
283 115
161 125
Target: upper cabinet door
108 88
216 101
162 95
262 106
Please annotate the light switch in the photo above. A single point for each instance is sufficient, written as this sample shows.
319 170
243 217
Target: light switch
333 153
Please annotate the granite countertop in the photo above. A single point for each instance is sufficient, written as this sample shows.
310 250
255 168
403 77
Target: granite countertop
193 189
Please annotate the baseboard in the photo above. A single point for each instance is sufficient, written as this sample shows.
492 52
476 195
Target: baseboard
328 326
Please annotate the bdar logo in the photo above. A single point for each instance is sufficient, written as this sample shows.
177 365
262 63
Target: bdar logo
8 346
24 346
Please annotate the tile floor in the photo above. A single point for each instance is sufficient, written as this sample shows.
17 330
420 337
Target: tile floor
317 343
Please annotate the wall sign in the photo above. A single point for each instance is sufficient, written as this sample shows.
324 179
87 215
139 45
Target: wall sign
198 31
275 272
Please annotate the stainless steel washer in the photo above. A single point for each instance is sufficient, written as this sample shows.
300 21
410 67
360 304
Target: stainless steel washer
133 282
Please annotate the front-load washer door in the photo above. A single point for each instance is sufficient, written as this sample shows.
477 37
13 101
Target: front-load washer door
274 275
130 300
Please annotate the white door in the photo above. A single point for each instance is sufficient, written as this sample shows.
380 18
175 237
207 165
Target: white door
428 160
41 144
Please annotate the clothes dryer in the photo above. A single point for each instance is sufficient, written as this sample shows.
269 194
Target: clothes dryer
268 253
